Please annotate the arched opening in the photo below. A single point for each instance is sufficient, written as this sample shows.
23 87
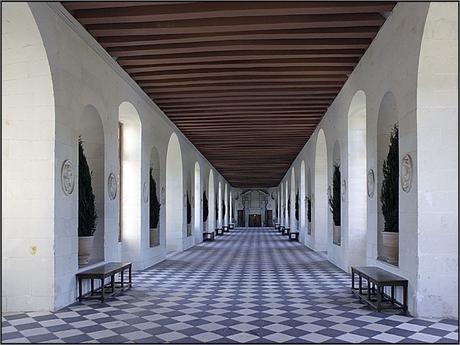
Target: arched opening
356 243
293 224
335 202
129 146
320 220
226 205
219 206
188 205
91 134
211 203
302 199
287 210
309 205
197 205
174 196
154 199
388 225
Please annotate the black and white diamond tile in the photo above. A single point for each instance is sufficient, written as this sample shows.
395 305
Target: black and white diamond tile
248 286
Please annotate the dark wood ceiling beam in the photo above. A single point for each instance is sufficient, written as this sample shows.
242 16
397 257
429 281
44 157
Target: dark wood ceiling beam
351 62
331 93
237 55
248 106
244 80
172 11
236 24
222 46
350 32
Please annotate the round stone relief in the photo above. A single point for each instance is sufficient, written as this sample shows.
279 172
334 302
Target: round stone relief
67 177
370 183
344 190
406 172
145 192
112 186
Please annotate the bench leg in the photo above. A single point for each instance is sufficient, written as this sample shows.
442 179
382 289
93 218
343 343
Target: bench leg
92 286
80 289
122 279
360 282
130 276
379 299
392 295
368 290
102 290
352 279
112 282
405 298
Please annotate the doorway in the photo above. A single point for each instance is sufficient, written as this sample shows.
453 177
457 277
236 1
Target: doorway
241 218
255 220
268 218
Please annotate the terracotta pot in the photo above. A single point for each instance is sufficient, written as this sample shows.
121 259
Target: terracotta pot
337 236
85 247
154 240
390 247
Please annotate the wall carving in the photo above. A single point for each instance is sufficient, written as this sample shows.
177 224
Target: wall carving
370 183
67 177
406 172
112 186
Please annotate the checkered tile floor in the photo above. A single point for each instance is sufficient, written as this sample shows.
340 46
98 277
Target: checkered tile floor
247 286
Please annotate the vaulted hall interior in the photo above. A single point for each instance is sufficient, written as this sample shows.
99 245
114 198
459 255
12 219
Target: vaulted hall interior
228 171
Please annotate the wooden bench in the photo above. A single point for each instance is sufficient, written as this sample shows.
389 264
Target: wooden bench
225 228
373 293
208 236
219 231
286 231
101 273
294 235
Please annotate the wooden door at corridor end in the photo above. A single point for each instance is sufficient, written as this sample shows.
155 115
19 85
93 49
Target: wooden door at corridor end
255 220
268 218
240 222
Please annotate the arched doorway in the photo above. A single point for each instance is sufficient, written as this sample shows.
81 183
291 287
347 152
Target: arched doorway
356 239
293 220
211 203
302 200
129 146
320 220
174 196
198 231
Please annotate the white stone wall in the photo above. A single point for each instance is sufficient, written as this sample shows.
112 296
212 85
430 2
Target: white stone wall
48 98
428 213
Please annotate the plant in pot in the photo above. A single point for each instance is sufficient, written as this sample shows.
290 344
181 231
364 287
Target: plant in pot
154 207
189 217
335 206
87 215
297 208
309 214
205 210
389 199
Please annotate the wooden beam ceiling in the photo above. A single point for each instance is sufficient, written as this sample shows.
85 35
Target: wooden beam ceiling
247 82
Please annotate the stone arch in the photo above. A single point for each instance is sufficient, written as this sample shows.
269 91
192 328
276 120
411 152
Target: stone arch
320 214
91 132
174 196
155 171
388 117
293 220
219 205
302 198
287 204
129 141
356 243
211 202
198 231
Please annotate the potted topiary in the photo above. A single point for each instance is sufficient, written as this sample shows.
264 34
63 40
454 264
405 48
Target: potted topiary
389 199
189 217
297 208
309 214
205 210
87 215
335 206
154 213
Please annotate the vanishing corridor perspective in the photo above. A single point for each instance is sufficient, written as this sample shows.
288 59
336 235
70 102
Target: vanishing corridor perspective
261 289
229 171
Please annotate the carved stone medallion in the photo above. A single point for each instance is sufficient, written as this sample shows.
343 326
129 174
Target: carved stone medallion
406 172
67 177
370 183
112 186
